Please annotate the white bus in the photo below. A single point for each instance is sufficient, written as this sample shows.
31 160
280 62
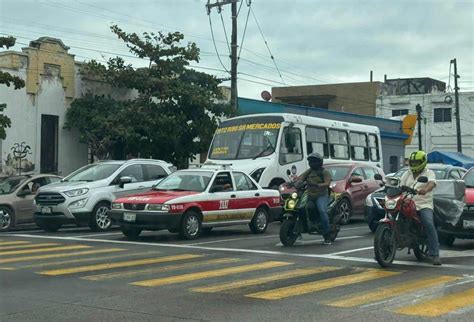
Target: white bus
269 146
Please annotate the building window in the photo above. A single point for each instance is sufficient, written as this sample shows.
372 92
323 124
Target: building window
400 112
393 163
338 144
359 148
442 115
317 141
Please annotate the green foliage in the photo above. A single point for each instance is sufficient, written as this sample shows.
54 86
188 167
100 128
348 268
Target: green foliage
7 79
175 112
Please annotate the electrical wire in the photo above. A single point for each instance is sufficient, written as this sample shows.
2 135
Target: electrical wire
225 32
215 47
245 30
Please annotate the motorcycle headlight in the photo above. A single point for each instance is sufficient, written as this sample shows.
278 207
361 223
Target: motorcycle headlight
291 204
282 188
368 201
390 204
116 205
158 207
294 195
76 192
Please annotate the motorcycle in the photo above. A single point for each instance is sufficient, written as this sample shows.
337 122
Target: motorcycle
295 215
401 227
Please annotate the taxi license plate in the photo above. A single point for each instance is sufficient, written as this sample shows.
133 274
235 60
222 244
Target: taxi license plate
46 210
468 223
129 217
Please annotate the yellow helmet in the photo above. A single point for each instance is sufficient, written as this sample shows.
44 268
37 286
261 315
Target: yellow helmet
417 161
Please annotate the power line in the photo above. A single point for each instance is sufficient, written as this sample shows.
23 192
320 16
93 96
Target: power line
215 47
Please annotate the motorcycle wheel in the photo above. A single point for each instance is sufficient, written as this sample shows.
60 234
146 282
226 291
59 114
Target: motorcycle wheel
421 251
385 246
287 235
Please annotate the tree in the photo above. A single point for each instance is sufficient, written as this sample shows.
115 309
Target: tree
176 110
7 79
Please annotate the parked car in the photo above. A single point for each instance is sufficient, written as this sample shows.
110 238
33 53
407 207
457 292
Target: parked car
355 181
374 210
16 197
196 200
84 196
464 229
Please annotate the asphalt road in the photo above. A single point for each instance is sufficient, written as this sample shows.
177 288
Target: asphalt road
229 274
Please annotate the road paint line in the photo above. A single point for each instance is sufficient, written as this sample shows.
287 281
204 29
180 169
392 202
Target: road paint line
209 274
99 267
108 276
19 242
7 268
250 251
44 250
29 246
94 235
36 257
441 305
311 287
88 259
391 291
233 239
354 228
264 279
352 250
316 241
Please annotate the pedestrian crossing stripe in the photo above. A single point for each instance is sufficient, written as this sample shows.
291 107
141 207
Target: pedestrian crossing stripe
18 242
167 268
208 274
104 266
28 246
304 288
44 250
391 291
441 305
264 279
48 256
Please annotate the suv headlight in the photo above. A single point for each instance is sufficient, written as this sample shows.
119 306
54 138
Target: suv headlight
158 207
116 205
368 201
76 192
78 203
257 174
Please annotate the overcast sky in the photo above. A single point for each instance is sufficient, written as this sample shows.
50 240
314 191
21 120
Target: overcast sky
313 42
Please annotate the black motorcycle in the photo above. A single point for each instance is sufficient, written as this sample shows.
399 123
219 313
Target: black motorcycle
296 215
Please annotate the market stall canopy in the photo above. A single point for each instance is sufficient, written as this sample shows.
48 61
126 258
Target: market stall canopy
453 158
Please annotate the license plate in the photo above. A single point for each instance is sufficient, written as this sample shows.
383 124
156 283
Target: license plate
46 210
129 217
468 223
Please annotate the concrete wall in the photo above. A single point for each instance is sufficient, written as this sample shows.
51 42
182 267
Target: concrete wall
435 136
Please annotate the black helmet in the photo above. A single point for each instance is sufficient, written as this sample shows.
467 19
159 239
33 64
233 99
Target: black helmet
315 161
315 156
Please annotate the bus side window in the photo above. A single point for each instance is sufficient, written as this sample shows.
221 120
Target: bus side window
374 148
317 141
359 146
291 149
338 144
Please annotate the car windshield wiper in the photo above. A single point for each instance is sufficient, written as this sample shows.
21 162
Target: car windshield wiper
269 146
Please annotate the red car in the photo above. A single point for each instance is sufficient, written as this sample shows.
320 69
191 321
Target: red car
356 181
192 201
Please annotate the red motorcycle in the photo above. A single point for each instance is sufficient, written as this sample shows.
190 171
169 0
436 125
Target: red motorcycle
401 227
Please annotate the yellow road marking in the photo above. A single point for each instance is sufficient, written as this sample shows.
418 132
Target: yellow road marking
36 257
88 259
440 306
19 242
262 280
167 268
209 274
28 246
138 262
42 250
388 292
316 286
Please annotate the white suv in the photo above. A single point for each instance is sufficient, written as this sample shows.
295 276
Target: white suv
84 196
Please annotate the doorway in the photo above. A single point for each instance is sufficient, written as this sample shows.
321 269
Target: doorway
49 143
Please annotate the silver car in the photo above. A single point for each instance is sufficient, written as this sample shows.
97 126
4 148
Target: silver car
84 196
17 195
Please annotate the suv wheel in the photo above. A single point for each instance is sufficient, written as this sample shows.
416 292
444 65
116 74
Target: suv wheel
100 220
7 218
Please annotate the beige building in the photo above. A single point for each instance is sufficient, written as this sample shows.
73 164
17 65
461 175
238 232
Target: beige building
357 98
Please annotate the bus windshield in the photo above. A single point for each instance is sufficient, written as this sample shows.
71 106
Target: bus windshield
246 138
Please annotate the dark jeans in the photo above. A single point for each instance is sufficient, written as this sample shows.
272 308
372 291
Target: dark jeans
319 207
426 215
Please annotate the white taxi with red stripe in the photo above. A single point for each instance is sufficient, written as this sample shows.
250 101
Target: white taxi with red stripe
195 200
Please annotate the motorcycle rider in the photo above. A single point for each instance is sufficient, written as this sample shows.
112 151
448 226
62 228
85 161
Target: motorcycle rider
424 199
317 180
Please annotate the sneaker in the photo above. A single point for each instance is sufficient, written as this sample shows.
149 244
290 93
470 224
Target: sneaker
436 260
327 240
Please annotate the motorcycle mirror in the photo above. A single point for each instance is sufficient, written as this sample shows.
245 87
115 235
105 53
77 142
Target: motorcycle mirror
422 179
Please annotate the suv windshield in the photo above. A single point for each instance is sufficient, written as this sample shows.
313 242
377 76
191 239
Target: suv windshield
185 181
8 185
93 172
338 173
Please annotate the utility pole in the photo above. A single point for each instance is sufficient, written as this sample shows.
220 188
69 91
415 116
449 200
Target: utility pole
233 47
418 111
456 104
